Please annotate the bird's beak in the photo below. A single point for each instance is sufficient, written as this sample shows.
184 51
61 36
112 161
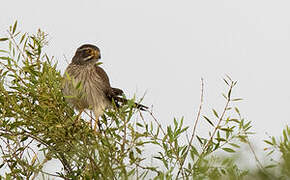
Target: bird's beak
97 54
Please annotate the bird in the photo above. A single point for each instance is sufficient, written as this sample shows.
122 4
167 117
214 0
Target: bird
87 86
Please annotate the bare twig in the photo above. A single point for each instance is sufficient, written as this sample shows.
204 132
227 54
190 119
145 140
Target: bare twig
194 127
259 164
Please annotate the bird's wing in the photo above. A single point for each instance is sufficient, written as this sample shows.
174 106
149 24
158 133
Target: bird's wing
113 93
108 90
117 91
100 71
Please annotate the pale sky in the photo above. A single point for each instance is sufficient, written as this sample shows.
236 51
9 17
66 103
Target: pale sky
164 47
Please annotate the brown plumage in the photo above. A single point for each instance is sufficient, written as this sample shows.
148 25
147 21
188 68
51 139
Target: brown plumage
88 85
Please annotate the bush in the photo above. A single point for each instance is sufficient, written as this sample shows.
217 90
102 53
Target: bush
37 126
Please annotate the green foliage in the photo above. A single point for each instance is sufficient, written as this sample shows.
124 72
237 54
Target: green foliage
37 125
281 146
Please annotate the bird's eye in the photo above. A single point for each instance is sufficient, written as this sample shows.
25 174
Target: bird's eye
88 51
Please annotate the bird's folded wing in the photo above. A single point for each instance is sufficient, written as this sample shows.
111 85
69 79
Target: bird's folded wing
114 93
103 75
117 91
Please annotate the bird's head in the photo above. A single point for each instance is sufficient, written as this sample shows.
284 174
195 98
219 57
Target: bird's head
86 54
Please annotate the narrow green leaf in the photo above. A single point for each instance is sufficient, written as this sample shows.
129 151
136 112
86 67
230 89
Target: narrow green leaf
181 122
199 139
268 142
131 155
24 138
3 39
16 34
220 139
169 131
226 81
217 145
14 27
184 129
175 123
193 149
226 129
6 58
208 120
228 150
234 145
229 78
224 96
22 38
237 99
229 94
140 125
271 152
285 135
237 110
235 120
3 51
274 141
228 134
227 120
192 155
271 166
247 125
157 157
215 113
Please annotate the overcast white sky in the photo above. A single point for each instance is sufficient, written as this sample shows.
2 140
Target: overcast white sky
164 47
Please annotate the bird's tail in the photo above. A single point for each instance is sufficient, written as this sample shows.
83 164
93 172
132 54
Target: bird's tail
123 100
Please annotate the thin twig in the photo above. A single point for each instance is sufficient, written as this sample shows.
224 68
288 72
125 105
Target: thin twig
54 175
194 127
257 159
218 124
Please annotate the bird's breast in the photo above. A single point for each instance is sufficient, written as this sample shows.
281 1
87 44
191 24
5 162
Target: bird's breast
85 88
